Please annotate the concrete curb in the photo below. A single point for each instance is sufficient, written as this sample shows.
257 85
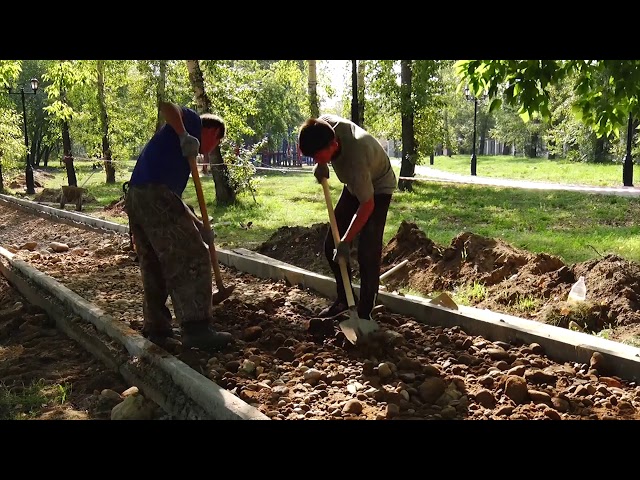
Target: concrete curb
216 402
73 216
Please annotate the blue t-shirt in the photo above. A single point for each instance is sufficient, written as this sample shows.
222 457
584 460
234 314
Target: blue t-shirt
161 160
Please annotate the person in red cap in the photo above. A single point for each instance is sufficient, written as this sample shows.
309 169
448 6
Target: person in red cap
168 237
363 166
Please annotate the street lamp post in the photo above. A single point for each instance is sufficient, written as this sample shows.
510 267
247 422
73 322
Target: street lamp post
29 169
627 169
474 159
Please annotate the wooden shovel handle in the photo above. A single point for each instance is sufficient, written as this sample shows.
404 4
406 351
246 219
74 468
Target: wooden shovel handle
198 185
336 239
205 221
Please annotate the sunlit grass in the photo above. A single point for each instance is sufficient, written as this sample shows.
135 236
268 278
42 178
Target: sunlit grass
26 402
536 169
469 294
572 225
526 304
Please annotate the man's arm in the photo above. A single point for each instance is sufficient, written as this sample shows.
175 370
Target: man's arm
359 220
172 114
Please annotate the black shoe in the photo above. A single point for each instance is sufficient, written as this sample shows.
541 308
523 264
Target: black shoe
336 308
164 339
321 327
154 335
202 335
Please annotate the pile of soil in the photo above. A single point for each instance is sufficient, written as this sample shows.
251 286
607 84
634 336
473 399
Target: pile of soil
502 278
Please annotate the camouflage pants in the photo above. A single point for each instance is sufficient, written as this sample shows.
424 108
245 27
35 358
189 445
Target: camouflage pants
172 256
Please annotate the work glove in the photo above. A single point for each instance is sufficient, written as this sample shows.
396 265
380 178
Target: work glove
320 171
343 251
207 235
189 144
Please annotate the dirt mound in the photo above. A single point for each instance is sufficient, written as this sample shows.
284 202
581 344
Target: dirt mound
19 181
115 206
300 246
53 195
488 273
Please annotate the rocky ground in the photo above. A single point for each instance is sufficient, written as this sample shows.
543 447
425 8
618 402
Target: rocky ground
409 371
52 375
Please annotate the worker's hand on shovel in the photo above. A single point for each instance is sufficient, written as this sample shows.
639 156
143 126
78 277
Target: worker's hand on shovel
207 236
189 144
342 250
320 171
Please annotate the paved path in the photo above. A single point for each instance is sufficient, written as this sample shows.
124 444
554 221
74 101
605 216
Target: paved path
429 173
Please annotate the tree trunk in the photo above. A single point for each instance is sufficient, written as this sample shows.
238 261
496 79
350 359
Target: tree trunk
203 105
600 151
531 150
225 194
483 136
160 92
67 155
104 126
408 163
361 67
355 117
314 105
46 153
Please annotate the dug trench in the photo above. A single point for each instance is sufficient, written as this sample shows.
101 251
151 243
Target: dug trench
416 371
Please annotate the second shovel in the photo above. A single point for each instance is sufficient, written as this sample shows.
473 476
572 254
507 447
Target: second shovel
355 328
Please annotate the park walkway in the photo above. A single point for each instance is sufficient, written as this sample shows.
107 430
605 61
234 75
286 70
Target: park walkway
429 173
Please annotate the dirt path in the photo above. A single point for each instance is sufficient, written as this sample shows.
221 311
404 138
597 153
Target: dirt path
46 375
411 371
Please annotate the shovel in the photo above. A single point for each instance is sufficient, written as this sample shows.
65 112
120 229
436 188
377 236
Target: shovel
355 327
444 300
223 292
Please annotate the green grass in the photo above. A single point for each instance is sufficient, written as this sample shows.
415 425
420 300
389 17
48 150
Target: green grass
470 294
23 403
572 225
536 169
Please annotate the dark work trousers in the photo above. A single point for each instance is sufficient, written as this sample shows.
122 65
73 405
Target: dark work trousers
173 258
369 247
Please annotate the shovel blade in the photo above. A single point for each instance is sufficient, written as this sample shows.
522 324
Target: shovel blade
444 300
222 294
350 329
356 328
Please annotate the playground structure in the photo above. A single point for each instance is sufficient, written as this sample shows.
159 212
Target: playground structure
283 158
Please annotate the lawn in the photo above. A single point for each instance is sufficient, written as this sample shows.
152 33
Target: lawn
575 226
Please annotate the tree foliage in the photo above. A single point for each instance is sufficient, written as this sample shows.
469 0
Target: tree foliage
606 91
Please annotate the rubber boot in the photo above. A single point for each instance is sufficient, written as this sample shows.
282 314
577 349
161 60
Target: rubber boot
202 335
